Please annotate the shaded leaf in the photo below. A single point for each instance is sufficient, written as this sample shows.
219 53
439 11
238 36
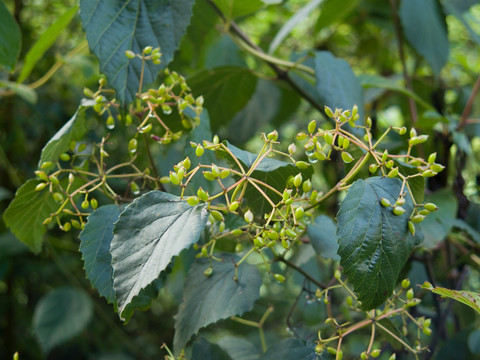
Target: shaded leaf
10 38
290 349
115 26
60 315
23 91
207 299
457 9
148 234
468 298
239 348
323 237
425 29
224 52
10 246
205 350
45 41
236 8
333 11
474 342
374 244
26 213
226 90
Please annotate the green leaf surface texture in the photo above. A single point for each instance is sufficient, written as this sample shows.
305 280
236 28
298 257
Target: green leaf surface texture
207 299
226 89
374 244
115 26
148 234
26 213
323 237
61 315
95 240
10 38
45 41
425 29
74 129
468 298
290 349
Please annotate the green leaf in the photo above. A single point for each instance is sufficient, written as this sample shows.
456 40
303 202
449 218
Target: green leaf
207 299
474 342
290 349
270 171
204 350
235 8
61 315
23 91
226 90
374 244
457 9
337 85
148 234
239 348
10 246
95 241
10 38
468 298
333 11
115 26
323 237
299 16
45 41
144 299
26 213
74 129
425 29
417 184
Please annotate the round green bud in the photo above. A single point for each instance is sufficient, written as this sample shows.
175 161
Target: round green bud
208 272
279 277
299 212
431 207
302 165
393 173
417 219
328 137
375 353
410 294
130 54
199 150
312 125
385 202
297 180
405 283
373 168
346 157
273 136
193 200
248 216
398 210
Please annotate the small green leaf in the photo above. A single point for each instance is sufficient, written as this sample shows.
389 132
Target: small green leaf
374 244
10 38
290 349
61 315
323 237
469 298
26 213
148 234
219 296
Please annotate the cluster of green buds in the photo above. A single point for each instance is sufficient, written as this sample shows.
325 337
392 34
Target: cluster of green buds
148 53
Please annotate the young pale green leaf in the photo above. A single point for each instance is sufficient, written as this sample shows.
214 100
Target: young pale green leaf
74 129
207 299
10 38
424 27
323 237
95 241
205 350
115 26
226 90
148 234
290 349
236 8
45 41
26 213
469 298
60 315
374 244
337 85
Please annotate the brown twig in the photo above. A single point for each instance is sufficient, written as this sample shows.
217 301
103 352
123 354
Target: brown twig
468 106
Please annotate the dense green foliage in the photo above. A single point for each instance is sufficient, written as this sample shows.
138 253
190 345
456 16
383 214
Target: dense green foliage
167 193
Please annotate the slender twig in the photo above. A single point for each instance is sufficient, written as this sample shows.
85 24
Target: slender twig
468 106
301 271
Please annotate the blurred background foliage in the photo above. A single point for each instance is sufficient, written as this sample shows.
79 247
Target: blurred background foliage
253 99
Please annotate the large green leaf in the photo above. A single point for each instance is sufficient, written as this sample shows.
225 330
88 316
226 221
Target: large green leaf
425 29
148 234
236 8
290 349
337 85
374 244
60 315
74 129
45 42
10 38
95 241
468 298
323 237
334 11
207 299
226 90
26 213
115 26
270 171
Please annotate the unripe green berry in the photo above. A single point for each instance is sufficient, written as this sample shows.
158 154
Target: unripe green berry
431 207
193 200
94 203
432 157
248 216
385 202
67 227
364 355
132 146
299 212
427 331
301 136
134 188
217 215
346 157
375 353
273 136
437 167
312 125
319 349
130 54
202 194
402 131
307 185
42 175
349 301
346 143
393 357
410 294
405 283
40 186
373 168
199 150
279 277
393 173
208 175
208 272
224 173
417 219
292 148
385 156
233 206
411 227
85 204
429 173
54 180
424 212
258 242
328 111
302 165
398 210
297 180
400 201
174 178
332 350
328 137
337 274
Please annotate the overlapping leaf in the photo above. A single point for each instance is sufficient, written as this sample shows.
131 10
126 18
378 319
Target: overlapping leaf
148 234
374 244
323 237
10 38
290 349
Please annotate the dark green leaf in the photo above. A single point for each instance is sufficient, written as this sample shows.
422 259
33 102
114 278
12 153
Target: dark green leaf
26 213
204 350
224 52
45 41
10 246
226 91
290 349
236 8
60 315
374 244
143 300
115 26
425 29
474 342
333 11
10 38
148 234
457 9
323 237
74 129
95 241
417 184
463 225
207 299
337 85
239 348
